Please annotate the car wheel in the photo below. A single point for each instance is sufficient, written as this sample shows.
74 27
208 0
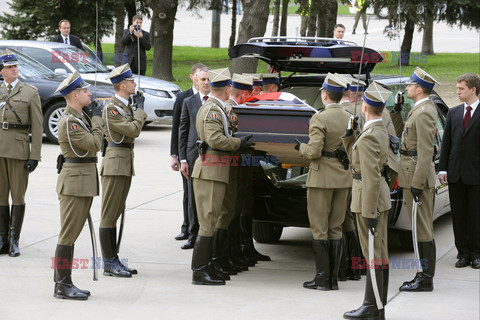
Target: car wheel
382 13
406 240
265 232
51 118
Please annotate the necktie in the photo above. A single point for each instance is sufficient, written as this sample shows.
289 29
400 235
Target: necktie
9 88
66 40
466 119
205 98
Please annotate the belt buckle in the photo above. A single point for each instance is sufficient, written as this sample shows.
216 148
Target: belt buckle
4 125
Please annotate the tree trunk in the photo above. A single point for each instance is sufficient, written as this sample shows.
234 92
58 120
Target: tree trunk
276 17
119 27
407 41
427 42
231 43
164 12
131 10
312 17
253 24
331 17
283 23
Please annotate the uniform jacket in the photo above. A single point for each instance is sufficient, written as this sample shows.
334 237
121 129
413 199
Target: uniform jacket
131 48
187 131
210 129
122 125
392 157
326 128
231 115
177 111
419 134
79 137
74 40
15 143
369 155
460 153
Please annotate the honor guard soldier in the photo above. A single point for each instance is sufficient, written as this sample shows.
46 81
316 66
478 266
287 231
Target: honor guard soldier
371 198
257 83
211 173
20 113
417 173
80 139
328 183
270 82
122 126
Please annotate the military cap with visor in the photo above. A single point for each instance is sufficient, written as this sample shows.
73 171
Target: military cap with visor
334 83
7 58
120 73
219 77
269 78
70 83
257 78
422 78
376 95
242 81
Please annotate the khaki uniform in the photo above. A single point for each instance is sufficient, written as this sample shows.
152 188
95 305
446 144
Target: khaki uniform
77 184
419 171
393 164
122 126
211 174
371 194
328 182
15 146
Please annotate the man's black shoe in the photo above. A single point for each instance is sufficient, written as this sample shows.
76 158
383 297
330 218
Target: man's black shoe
462 263
190 243
182 236
476 263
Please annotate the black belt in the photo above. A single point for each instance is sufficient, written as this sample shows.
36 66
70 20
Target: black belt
408 153
6 125
81 160
120 145
212 149
329 154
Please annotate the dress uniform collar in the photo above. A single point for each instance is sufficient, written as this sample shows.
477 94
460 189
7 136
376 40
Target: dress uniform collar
14 83
420 101
122 100
372 123
219 101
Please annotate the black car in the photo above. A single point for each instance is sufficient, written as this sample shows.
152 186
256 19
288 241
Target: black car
46 81
280 197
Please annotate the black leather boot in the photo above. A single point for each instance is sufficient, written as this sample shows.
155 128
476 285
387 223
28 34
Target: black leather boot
4 226
234 228
111 263
352 251
16 222
385 277
201 266
342 271
114 244
322 263
369 309
423 281
233 255
247 239
219 261
335 256
64 287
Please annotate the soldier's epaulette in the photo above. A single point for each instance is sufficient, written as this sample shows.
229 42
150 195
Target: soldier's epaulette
29 86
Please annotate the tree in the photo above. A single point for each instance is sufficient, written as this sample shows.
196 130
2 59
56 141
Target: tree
327 18
276 17
253 24
164 12
283 23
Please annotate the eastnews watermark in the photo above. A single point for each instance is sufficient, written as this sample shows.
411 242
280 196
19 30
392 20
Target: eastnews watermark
394 263
389 57
78 263
243 160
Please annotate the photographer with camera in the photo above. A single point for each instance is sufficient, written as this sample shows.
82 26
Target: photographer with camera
136 41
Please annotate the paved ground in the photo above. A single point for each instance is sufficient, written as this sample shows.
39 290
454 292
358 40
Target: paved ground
163 290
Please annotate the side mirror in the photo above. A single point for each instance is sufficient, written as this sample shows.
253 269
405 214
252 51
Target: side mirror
110 67
60 71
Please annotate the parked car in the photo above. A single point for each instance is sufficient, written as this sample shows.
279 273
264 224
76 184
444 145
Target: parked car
280 197
46 81
64 59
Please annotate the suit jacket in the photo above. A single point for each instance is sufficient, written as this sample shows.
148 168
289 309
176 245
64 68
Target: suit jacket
15 143
177 111
122 125
74 40
210 129
369 154
326 128
419 135
79 136
187 132
131 48
460 153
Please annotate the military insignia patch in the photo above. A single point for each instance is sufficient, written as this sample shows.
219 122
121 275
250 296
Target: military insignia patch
114 112
234 117
74 127
213 115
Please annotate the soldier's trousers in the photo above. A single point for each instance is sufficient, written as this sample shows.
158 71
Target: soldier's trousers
13 181
228 212
349 221
326 212
209 196
73 214
424 213
380 245
114 196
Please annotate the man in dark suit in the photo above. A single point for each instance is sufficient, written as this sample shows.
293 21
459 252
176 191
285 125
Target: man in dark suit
130 39
174 164
65 36
188 153
460 162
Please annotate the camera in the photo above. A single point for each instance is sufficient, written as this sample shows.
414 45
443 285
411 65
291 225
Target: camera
136 27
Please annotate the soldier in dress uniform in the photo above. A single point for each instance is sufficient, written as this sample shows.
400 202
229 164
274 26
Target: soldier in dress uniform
80 139
371 196
122 126
328 184
417 172
257 83
270 82
20 113
211 173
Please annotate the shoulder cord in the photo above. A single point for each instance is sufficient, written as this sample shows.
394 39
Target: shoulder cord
8 103
108 128
224 122
70 142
